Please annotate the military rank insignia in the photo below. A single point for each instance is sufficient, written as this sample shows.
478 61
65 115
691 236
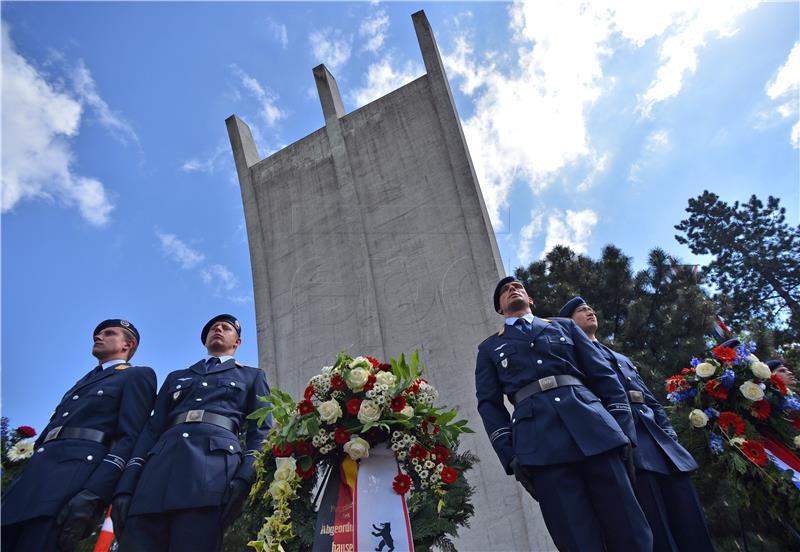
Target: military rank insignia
122 366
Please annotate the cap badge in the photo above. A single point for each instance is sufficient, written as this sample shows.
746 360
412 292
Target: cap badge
124 323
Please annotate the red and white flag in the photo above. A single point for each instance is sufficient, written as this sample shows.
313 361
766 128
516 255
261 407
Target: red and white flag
106 537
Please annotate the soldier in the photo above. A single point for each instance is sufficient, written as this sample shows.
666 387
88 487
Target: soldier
60 496
188 476
662 486
571 426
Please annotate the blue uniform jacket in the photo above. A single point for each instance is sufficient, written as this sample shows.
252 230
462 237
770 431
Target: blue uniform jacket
659 449
190 465
117 401
565 424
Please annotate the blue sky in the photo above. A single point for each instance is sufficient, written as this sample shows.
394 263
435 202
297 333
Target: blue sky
588 125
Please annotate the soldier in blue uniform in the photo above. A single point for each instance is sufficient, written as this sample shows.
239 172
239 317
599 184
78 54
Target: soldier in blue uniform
663 487
188 476
60 496
571 426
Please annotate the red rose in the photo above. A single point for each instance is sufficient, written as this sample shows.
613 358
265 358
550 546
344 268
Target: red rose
341 435
305 407
26 431
724 354
776 382
385 367
755 452
398 404
371 379
401 484
282 451
353 405
418 452
374 361
449 475
305 474
728 421
761 410
440 454
304 448
337 382
430 426
308 393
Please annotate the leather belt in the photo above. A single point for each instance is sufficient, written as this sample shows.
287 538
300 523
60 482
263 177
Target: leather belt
544 384
203 416
61 432
636 397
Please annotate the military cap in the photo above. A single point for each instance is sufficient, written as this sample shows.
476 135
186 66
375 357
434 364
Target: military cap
229 318
570 306
775 363
499 288
731 343
117 323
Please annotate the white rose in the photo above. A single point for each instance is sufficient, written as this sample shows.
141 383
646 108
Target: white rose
329 411
737 441
285 469
760 370
386 378
369 411
360 362
357 378
797 441
698 418
751 391
753 358
705 369
356 448
280 489
407 411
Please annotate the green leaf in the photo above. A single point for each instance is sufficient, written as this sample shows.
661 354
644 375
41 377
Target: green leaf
415 364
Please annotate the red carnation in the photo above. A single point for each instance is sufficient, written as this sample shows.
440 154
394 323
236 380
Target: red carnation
688 371
755 452
308 393
401 484
716 390
412 389
305 474
353 405
430 426
282 451
761 410
418 452
304 448
728 420
674 383
26 431
398 404
778 384
440 454
385 367
724 354
374 361
337 382
449 475
371 379
341 435
305 407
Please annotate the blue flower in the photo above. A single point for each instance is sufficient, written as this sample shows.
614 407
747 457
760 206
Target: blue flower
711 413
791 403
695 362
715 443
682 395
727 378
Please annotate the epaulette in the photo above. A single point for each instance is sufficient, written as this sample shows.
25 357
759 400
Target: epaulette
546 320
239 364
122 366
502 330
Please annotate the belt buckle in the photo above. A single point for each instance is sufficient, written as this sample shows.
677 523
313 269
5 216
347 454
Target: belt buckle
53 433
195 415
636 396
548 383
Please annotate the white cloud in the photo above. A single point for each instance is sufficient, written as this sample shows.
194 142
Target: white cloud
598 165
86 89
278 32
37 125
207 164
529 118
179 252
267 100
219 277
785 87
573 229
373 30
654 145
383 77
527 234
216 276
331 47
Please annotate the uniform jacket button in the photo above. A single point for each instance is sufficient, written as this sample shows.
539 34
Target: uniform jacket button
184 434
629 378
205 384
233 383
558 399
99 391
65 414
41 449
531 345
198 399
501 356
90 457
539 361
230 447
75 397
561 339
178 386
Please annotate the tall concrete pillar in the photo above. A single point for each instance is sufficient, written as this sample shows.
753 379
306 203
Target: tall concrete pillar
371 236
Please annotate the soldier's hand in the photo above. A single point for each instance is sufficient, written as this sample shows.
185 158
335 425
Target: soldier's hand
77 519
524 479
233 501
119 512
630 465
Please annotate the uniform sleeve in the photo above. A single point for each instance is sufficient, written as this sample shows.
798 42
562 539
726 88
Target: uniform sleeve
658 411
138 395
256 434
153 429
603 381
492 409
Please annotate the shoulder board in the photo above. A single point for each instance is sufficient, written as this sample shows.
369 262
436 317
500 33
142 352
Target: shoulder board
122 366
239 364
502 330
545 320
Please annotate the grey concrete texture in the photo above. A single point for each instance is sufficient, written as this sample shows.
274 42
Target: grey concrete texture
371 236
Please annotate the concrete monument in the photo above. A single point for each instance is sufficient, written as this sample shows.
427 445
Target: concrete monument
371 236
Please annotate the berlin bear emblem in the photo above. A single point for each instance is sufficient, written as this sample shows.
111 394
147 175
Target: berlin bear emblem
385 532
